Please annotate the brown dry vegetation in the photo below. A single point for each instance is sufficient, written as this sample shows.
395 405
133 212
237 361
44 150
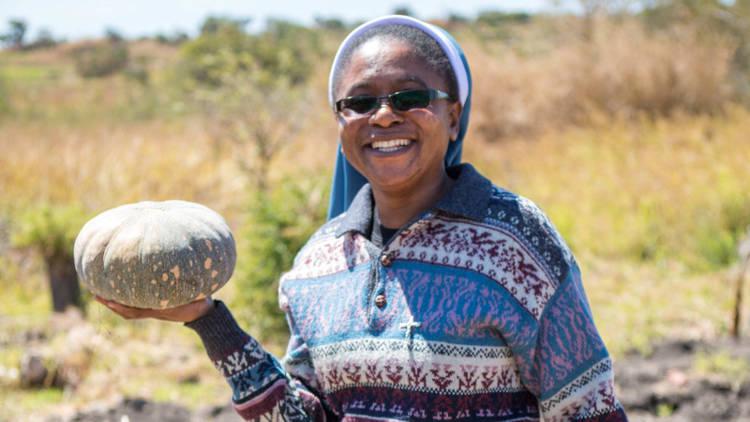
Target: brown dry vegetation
545 82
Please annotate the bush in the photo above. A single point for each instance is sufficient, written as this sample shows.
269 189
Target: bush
717 239
50 230
495 18
282 51
278 224
4 97
43 40
206 59
101 59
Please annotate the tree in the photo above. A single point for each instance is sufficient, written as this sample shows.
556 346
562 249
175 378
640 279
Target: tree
176 38
50 230
256 116
101 59
216 24
456 19
330 24
254 99
206 59
14 38
44 39
495 18
113 35
403 10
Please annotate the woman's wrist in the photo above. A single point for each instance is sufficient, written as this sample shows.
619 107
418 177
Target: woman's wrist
219 331
208 305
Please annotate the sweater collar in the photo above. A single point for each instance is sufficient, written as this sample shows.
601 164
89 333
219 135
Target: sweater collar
468 198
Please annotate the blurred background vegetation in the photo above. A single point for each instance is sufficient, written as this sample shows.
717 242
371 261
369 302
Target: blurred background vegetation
627 123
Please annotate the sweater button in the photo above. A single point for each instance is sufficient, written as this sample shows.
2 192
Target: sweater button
386 260
380 301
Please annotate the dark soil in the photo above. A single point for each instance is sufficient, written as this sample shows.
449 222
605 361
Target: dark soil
664 383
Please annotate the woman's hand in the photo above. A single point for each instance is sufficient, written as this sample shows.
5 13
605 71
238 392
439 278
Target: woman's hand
184 313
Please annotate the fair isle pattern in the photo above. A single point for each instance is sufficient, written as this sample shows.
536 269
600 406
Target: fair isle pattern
418 347
278 403
364 363
597 401
484 249
331 317
519 215
365 418
598 388
378 402
240 360
484 319
329 255
254 379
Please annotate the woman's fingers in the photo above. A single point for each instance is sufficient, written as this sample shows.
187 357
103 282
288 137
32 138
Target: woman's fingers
184 313
188 312
126 312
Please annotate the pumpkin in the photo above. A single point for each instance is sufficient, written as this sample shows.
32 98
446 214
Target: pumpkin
155 254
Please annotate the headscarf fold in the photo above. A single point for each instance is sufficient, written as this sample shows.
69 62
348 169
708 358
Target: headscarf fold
347 181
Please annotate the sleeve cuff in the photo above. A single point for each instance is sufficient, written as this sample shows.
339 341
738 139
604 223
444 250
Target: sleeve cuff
219 331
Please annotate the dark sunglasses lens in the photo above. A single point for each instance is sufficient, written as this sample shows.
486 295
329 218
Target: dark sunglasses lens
408 100
361 104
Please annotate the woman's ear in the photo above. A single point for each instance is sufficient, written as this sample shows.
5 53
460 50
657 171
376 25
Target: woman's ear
454 114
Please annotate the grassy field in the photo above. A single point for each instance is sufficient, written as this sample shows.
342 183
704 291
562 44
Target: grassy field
652 204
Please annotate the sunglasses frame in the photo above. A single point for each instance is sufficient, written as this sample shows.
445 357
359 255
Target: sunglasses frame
433 94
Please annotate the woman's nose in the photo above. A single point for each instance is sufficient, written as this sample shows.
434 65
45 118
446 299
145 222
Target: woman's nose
384 115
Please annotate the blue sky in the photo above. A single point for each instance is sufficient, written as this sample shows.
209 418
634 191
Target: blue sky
75 19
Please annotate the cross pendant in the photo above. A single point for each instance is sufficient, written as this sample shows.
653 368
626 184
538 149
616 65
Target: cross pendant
409 326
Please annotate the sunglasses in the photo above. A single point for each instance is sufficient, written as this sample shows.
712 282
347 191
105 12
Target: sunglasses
400 101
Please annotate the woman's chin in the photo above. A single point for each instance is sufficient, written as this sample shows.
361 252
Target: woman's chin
393 180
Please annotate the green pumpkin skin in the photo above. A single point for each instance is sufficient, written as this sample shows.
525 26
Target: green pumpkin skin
155 255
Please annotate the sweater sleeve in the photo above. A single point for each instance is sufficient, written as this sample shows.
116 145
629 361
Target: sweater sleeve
570 361
262 389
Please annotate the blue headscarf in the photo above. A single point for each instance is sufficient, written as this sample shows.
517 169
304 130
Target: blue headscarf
347 181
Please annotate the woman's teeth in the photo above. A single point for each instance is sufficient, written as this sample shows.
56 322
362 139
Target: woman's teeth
390 146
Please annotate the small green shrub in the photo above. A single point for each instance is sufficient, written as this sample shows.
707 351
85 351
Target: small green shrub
101 59
223 50
50 230
279 222
720 232
724 365
4 97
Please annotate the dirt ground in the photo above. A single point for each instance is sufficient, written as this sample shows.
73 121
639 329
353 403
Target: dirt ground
663 385
669 382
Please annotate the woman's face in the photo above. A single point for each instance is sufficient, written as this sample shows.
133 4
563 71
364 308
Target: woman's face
396 151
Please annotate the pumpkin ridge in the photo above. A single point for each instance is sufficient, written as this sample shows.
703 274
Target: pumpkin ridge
112 237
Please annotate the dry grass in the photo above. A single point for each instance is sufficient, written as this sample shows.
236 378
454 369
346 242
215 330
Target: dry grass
533 85
651 190
101 165
644 206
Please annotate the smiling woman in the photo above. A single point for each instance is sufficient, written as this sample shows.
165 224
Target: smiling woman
430 294
399 152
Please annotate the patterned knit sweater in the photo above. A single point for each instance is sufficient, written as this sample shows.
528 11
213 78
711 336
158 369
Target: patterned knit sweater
474 311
